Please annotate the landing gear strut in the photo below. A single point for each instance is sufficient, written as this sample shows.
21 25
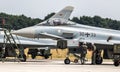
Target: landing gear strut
99 59
96 56
79 53
67 60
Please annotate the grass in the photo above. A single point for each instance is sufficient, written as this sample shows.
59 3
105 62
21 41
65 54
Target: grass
59 54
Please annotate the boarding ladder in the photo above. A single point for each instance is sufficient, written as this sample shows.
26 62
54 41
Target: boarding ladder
9 39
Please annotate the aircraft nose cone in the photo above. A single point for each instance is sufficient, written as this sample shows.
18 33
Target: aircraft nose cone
25 32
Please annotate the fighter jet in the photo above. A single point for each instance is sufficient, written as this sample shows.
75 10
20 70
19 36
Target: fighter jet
8 45
59 28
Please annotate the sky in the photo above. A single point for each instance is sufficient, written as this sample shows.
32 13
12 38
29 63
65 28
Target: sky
40 8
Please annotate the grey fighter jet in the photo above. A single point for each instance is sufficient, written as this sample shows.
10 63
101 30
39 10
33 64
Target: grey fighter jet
59 28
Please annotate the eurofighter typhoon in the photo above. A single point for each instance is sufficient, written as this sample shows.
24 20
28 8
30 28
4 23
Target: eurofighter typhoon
59 28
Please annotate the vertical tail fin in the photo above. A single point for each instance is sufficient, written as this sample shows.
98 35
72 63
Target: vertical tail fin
64 13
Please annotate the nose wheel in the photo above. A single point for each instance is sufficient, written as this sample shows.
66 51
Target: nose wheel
75 60
67 61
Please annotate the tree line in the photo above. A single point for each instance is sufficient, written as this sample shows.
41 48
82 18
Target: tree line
21 21
97 21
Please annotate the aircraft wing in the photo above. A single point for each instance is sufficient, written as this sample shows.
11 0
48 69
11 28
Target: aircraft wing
64 13
46 35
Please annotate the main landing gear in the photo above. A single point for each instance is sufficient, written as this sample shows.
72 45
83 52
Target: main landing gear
116 62
116 55
96 57
79 53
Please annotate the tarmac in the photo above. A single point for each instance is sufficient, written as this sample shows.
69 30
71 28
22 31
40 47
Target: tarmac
56 66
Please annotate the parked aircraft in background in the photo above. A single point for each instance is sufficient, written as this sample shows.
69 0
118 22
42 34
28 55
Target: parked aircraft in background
59 28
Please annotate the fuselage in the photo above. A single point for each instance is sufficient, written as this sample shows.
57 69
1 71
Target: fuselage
77 31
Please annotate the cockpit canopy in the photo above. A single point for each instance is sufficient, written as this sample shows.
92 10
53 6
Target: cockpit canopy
55 22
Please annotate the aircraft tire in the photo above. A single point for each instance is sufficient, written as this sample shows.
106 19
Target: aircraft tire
4 56
33 56
116 63
75 60
24 58
46 56
99 60
67 61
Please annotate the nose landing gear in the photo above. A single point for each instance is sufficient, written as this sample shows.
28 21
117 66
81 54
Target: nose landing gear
67 61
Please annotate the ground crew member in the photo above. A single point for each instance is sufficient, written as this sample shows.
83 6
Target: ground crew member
83 52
